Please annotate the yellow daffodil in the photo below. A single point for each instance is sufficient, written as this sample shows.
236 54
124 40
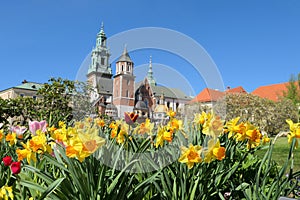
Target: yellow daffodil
213 127
171 113
214 151
145 127
11 138
26 153
190 155
39 144
159 138
100 122
254 136
6 192
1 134
294 131
202 118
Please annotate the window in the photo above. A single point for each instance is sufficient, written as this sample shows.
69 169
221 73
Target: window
122 68
34 97
127 93
21 95
102 61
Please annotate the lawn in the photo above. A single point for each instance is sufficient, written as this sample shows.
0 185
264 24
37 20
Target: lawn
280 153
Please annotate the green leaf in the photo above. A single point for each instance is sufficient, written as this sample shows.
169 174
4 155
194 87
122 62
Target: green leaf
51 188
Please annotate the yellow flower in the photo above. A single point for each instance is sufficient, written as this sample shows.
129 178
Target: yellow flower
214 151
175 124
213 127
100 122
219 153
190 155
39 143
26 153
6 192
159 138
145 127
90 140
253 136
1 134
238 131
201 118
171 113
61 124
168 135
265 139
294 131
11 138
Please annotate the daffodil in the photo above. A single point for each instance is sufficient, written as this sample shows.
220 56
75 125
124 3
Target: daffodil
235 130
294 131
201 118
6 192
190 155
254 136
159 141
90 140
1 134
214 151
26 153
144 127
39 144
213 127
11 138
171 113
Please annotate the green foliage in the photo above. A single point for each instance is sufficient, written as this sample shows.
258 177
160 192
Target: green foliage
59 100
270 116
293 89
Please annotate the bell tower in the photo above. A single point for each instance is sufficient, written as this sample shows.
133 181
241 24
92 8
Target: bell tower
123 84
100 73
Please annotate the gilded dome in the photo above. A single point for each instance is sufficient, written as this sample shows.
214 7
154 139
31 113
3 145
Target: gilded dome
161 108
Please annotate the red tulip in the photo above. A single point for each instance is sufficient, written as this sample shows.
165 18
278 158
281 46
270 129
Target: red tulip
7 160
15 167
130 118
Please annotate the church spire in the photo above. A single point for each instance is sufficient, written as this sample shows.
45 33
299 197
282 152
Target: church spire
125 56
101 37
150 73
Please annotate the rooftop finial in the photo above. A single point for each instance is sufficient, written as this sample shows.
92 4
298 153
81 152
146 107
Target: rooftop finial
102 25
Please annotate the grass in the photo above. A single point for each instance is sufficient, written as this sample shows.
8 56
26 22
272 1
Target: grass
280 153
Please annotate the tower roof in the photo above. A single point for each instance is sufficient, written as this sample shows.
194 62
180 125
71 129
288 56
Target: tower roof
150 73
125 56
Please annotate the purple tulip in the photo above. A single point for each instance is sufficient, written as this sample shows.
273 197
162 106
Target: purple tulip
35 125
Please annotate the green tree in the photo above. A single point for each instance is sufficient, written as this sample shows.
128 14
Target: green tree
293 89
270 116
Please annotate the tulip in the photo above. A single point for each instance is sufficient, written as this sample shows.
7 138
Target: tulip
7 160
35 125
15 167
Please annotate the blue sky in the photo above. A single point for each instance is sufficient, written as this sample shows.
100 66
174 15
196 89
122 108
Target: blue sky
252 43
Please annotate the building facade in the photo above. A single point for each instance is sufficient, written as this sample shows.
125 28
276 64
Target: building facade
120 92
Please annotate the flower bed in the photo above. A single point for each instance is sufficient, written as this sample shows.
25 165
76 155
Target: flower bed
99 159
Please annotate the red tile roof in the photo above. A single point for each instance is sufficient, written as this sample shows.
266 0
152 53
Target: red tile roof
210 95
272 92
238 89
207 95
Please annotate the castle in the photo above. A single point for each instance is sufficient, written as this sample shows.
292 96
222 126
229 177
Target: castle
117 93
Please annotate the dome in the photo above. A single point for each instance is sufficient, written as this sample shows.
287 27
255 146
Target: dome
140 105
161 109
111 107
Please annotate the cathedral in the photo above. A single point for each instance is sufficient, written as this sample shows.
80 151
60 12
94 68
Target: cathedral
117 93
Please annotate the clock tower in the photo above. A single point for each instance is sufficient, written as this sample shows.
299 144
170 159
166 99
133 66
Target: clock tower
100 73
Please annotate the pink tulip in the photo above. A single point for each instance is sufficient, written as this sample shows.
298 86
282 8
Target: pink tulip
35 125
19 130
